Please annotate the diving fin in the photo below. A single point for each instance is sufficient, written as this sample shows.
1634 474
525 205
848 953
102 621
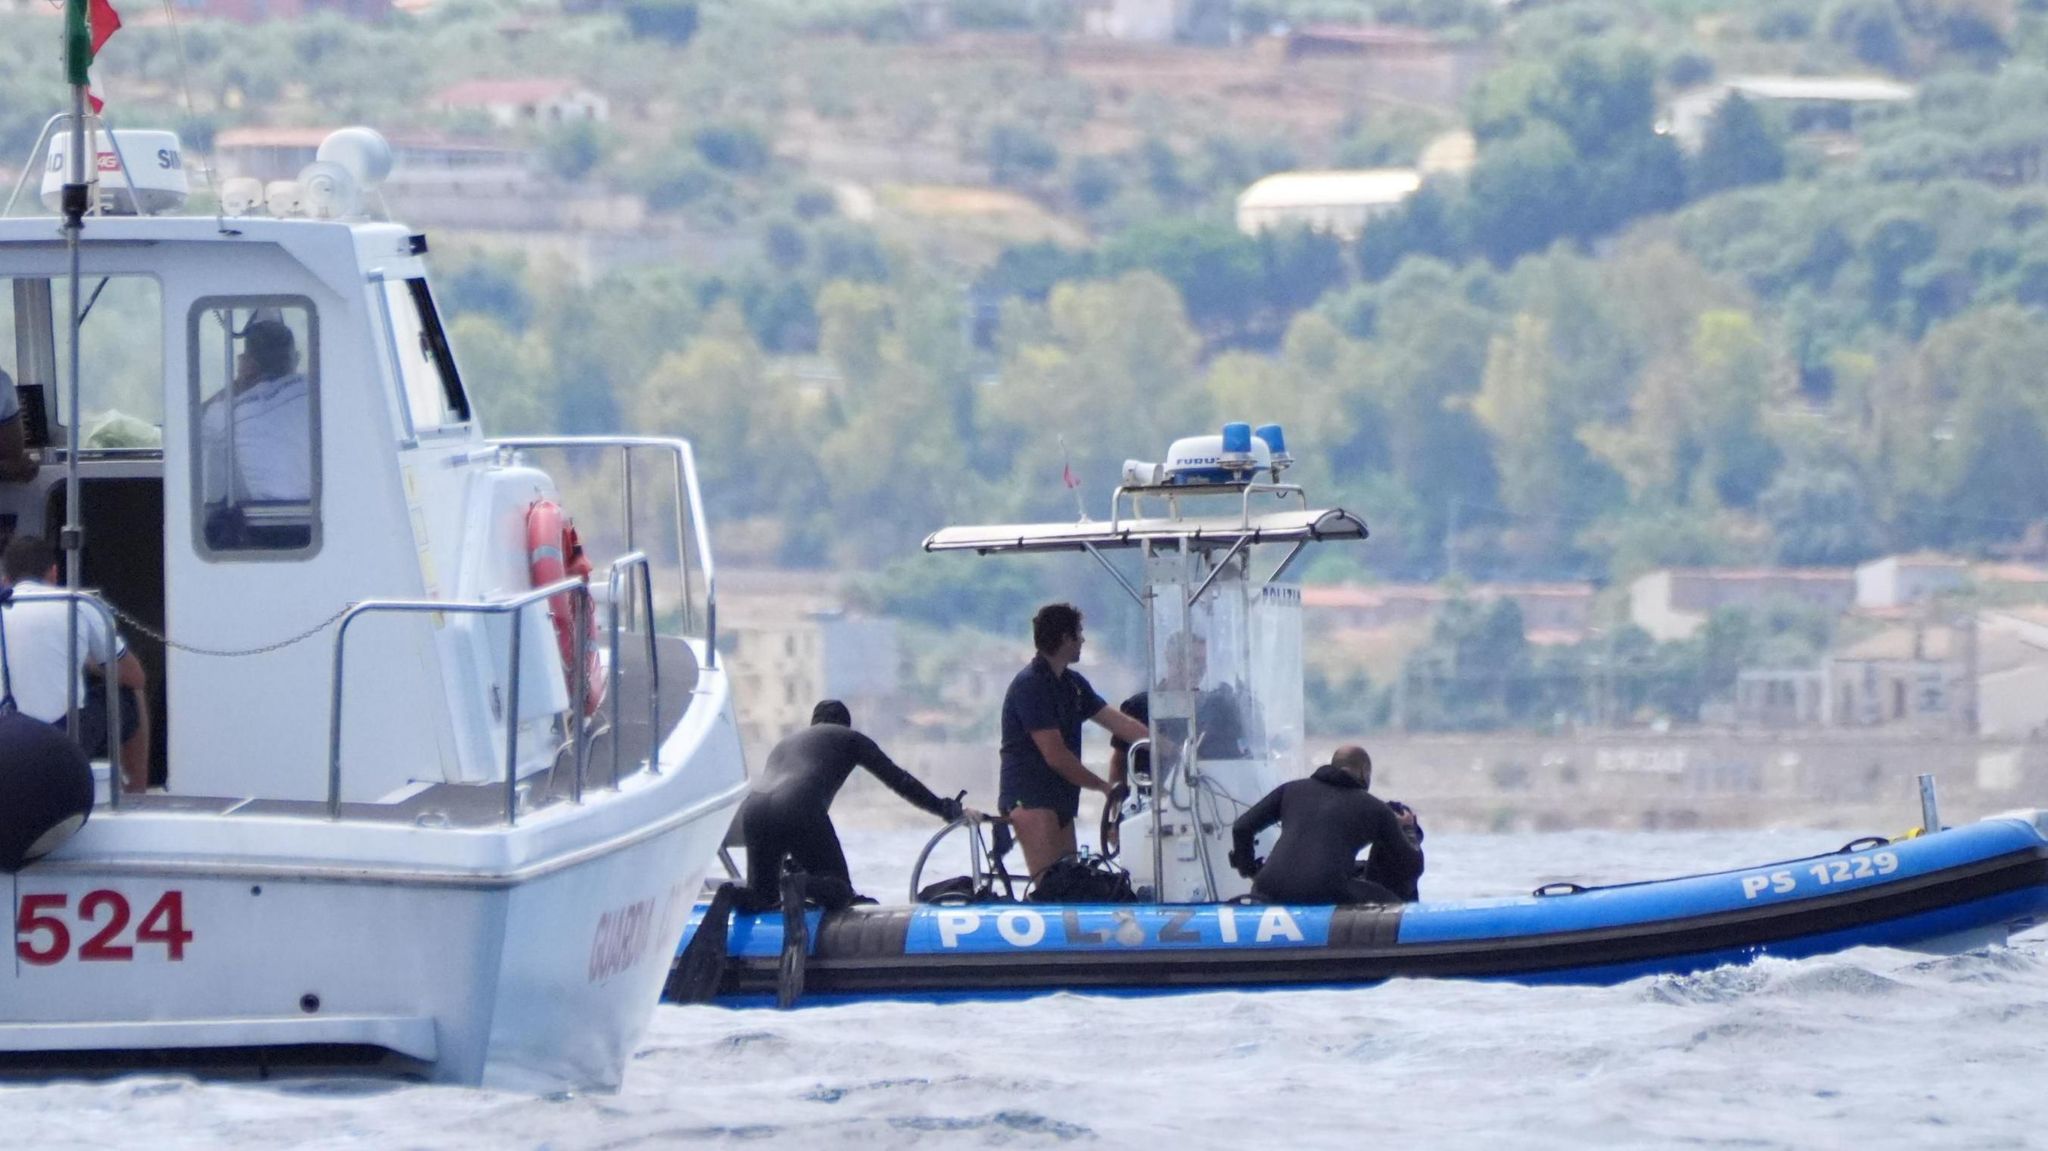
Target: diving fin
697 972
796 941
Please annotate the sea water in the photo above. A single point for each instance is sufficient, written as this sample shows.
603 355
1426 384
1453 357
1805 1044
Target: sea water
1869 1048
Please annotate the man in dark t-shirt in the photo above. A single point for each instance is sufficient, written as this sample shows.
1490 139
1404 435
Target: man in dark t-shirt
1042 772
785 813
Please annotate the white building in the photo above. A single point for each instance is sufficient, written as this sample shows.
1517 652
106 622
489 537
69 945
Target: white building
1825 103
1896 581
1339 203
1781 697
1985 674
1675 603
1145 21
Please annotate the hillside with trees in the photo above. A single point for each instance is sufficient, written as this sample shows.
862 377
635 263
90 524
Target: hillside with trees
1594 353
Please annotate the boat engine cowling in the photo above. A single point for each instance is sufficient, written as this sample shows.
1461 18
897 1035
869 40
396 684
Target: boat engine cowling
45 789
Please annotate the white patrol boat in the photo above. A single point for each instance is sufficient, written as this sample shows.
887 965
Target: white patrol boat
434 787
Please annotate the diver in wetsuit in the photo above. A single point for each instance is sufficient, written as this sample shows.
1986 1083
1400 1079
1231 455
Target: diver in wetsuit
785 815
1324 821
1396 873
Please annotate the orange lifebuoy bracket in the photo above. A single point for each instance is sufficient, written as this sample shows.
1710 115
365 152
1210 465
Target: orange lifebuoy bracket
554 553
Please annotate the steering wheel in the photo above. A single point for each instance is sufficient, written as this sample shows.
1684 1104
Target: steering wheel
1110 834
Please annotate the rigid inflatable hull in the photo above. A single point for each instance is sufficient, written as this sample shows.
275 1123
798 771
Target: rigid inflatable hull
1961 888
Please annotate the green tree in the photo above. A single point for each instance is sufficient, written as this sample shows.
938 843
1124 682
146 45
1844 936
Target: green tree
718 391
1473 674
510 376
1018 156
493 287
1429 223
1695 432
1526 192
1033 270
1733 372
1739 148
1422 374
1300 264
671 21
1820 516
1568 151
572 151
1111 371
894 446
733 147
1976 417
1215 268
1604 102
1896 243
1548 481
1095 182
1871 29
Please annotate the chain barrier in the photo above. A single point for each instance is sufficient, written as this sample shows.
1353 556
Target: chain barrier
227 653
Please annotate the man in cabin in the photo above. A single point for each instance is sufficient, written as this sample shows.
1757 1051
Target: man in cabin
786 814
1042 773
1324 821
268 460
38 647
1217 718
16 464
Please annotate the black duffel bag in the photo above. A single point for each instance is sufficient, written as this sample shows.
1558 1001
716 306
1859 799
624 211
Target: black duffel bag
1083 878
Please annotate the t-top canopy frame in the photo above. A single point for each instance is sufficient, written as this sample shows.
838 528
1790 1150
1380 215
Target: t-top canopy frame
1310 526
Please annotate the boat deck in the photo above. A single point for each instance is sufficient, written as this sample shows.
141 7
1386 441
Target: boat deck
465 805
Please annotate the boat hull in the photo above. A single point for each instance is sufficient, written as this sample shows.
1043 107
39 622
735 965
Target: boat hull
1961 888
519 957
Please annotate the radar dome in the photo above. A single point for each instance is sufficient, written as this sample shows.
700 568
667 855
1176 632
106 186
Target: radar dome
154 166
363 151
329 191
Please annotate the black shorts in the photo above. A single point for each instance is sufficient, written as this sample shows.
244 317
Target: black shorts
92 719
1038 787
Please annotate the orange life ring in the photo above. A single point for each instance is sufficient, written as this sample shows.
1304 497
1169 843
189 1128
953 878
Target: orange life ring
555 553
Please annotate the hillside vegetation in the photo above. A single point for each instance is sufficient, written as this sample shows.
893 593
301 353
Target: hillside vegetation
1591 355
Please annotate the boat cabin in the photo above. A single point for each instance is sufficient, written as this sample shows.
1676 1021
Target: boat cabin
271 427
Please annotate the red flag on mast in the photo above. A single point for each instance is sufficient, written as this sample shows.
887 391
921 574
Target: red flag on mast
104 21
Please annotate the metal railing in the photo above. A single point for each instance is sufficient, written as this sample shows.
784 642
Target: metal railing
618 573
689 512
619 568
513 607
111 682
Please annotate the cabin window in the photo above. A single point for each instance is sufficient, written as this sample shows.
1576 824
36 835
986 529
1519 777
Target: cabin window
434 398
120 359
255 368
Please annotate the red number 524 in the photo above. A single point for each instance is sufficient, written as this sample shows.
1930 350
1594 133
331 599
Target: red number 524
43 930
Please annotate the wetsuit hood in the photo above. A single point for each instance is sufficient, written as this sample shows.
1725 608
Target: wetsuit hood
1335 776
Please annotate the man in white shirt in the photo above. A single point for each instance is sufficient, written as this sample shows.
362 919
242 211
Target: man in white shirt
38 646
268 460
15 462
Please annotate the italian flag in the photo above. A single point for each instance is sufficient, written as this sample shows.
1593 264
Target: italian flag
87 25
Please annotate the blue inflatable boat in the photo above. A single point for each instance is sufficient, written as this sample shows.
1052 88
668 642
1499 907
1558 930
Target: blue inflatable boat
1957 889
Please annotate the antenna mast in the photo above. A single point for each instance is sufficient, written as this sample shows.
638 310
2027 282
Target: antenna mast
77 61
